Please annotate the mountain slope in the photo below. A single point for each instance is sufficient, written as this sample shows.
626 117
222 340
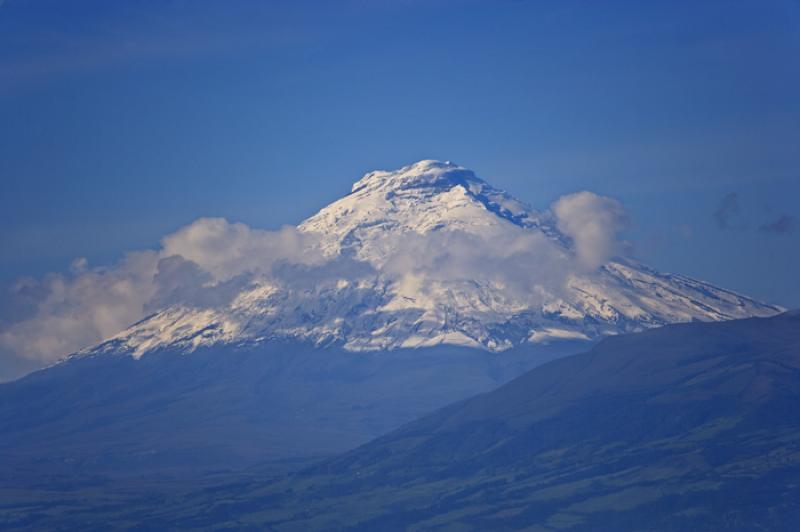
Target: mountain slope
688 427
225 408
431 254
427 286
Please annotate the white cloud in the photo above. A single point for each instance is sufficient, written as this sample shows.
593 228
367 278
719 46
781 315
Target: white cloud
209 261
520 265
593 223
200 264
225 249
65 312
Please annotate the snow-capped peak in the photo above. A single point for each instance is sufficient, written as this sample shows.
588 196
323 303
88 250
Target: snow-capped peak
426 173
429 254
425 196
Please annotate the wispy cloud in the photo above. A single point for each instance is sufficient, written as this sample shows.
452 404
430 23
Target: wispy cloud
727 210
783 225
729 213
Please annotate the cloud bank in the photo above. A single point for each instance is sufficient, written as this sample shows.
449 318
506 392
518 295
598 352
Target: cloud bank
201 264
210 261
63 312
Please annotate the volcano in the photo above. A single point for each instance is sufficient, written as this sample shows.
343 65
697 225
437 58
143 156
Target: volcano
427 286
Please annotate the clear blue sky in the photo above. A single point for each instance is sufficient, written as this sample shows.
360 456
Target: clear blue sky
122 121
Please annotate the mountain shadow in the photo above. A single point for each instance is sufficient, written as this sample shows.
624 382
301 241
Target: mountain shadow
273 405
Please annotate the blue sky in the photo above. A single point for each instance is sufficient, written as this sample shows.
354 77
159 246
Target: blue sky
122 121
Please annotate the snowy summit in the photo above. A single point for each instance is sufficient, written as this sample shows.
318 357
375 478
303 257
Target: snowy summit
431 254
